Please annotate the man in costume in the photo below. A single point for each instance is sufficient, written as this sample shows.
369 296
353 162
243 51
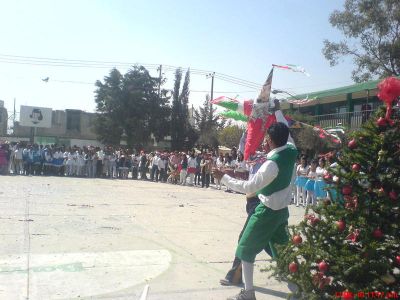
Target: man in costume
272 184
234 275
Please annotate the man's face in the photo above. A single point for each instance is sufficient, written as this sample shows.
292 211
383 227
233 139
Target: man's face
267 143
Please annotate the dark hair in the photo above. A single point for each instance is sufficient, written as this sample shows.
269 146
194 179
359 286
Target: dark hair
279 133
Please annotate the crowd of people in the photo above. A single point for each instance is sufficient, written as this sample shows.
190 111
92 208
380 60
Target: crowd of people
185 168
191 168
310 183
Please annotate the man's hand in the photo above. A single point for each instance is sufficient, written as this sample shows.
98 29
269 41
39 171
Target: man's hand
217 173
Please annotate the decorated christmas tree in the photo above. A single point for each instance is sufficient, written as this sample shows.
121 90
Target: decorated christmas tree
348 246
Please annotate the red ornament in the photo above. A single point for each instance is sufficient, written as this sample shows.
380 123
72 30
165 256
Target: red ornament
352 144
393 195
341 225
377 233
398 260
297 239
356 167
381 122
347 295
323 266
293 267
346 190
315 221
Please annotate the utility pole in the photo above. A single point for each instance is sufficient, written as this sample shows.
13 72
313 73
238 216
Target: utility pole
212 83
14 114
159 80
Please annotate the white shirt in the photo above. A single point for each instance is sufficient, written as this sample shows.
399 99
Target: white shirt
18 153
192 162
161 164
264 176
302 170
156 159
320 172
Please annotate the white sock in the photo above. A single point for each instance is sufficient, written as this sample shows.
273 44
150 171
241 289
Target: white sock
247 270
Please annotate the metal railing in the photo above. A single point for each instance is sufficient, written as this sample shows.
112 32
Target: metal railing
350 120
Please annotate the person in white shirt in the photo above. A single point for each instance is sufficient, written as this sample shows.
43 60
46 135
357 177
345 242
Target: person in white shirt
191 168
70 164
272 184
162 169
112 165
310 184
301 179
241 169
320 185
19 166
80 163
220 165
154 167
100 157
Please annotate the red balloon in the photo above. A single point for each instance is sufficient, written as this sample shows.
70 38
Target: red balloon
341 225
297 239
323 266
352 144
293 267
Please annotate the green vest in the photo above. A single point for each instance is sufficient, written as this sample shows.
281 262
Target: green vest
285 160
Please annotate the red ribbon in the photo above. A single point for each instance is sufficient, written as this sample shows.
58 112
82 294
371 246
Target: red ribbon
389 90
351 202
320 280
353 236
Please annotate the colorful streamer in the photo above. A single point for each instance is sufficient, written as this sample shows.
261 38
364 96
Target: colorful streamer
293 68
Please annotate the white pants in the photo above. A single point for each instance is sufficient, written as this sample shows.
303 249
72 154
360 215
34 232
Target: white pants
191 178
183 177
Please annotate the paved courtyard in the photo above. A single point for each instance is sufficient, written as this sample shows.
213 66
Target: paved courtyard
73 238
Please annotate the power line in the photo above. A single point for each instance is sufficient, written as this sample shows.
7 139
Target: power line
80 63
75 63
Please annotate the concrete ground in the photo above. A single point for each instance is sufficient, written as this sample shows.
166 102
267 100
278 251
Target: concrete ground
73 238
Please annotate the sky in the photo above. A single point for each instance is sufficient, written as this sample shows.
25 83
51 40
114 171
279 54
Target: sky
238 38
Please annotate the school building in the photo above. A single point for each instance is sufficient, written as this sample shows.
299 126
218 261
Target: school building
347 106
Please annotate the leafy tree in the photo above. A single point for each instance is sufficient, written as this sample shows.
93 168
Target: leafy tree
372 32
208 123
230 136
301 117
182 134
309 142
108 96
176 128
130 104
